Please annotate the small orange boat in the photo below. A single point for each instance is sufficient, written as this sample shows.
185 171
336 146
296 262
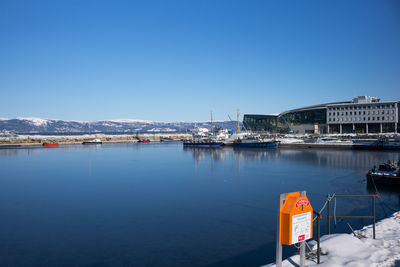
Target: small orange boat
50 144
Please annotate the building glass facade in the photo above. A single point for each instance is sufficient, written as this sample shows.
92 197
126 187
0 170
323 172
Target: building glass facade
314 116
260 123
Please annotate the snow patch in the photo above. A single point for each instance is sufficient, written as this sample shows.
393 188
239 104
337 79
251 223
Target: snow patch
347 250
130 121
35 121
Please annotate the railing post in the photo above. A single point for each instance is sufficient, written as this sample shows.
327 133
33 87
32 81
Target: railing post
329 214
318 237
373 215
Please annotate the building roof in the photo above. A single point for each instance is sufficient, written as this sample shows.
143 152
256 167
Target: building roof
313 107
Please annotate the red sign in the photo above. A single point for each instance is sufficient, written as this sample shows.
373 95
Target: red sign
302 237
302 201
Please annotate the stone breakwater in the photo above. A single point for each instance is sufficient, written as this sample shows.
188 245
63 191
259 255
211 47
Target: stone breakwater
78 139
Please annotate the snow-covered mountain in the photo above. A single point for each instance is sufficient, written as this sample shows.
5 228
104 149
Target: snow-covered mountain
53 126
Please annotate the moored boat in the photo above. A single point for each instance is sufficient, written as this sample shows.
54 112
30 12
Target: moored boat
144 141
270 144
380 144
92 142
387 173
202 143
255 141
50 144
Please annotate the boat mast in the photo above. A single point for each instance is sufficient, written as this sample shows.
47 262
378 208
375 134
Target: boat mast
211 124
238 129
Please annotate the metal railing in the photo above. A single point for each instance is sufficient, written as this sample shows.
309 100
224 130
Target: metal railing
330 197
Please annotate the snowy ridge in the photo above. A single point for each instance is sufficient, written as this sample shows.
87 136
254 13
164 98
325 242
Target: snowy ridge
35 121
130 121
50 126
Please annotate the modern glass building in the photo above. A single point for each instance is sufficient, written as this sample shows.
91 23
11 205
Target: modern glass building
363 114
260 123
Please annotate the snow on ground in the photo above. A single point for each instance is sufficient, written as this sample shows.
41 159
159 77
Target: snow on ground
348 250
290 140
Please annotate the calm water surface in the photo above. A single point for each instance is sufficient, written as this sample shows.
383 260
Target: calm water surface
165 205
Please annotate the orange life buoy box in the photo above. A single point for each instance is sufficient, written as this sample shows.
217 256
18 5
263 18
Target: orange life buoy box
295 219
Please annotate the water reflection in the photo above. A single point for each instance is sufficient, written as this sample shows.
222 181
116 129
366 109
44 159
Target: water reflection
165 205
320 171
332 158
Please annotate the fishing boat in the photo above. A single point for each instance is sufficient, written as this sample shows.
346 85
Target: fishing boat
380 144
387 173
201 137
50 144
92 142
255 141
202 143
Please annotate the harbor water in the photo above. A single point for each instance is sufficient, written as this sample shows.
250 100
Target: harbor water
160 204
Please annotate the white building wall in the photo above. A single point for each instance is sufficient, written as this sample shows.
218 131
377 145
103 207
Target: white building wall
363 113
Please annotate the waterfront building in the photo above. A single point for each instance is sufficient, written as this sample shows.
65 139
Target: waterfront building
363 114
260 123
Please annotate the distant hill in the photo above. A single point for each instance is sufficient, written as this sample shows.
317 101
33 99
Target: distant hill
52 126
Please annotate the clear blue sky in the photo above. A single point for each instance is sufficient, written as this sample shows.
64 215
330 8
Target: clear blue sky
177 60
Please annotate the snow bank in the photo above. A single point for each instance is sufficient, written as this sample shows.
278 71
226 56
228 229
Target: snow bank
348 250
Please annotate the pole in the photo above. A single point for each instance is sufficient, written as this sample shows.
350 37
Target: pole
237 110
373 214
211 124
302 244
329 213
278 258
318 239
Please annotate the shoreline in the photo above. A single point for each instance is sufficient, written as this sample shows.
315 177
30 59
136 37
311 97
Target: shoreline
133 141
38 140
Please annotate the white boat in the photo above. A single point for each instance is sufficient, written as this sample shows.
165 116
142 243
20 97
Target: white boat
92 142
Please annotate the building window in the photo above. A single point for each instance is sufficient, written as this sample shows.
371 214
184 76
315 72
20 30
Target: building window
364 112
373 118
346 113
383 118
